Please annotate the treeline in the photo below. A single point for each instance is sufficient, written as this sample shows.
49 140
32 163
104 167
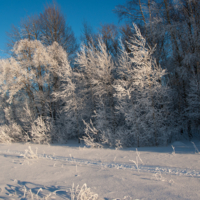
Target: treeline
131 85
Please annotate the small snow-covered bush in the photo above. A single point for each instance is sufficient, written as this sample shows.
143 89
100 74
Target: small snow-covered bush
41 131
12 133
30 154
4 137
82 193
91 138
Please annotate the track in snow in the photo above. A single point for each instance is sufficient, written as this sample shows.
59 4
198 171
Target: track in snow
130 166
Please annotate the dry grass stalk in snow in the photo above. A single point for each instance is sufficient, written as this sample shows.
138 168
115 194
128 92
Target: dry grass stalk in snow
136 162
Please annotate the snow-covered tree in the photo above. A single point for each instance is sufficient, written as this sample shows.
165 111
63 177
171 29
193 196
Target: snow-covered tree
97 67
143 97
31 74
193 108
48 26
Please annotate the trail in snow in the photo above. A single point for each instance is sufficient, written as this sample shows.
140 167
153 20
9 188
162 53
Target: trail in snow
129 166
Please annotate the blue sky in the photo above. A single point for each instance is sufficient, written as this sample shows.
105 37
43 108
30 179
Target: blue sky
76 11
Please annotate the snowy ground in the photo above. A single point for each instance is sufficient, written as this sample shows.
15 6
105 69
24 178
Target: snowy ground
149 173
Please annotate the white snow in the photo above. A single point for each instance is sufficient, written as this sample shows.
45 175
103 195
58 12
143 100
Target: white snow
178 143
30 171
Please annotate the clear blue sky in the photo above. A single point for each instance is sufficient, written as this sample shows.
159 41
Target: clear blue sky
76 11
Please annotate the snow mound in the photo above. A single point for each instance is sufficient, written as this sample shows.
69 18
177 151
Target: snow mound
178 143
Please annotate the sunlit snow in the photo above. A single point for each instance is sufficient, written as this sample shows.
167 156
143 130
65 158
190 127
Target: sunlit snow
30 171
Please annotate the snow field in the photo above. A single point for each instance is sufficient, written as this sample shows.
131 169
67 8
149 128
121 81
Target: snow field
30 171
